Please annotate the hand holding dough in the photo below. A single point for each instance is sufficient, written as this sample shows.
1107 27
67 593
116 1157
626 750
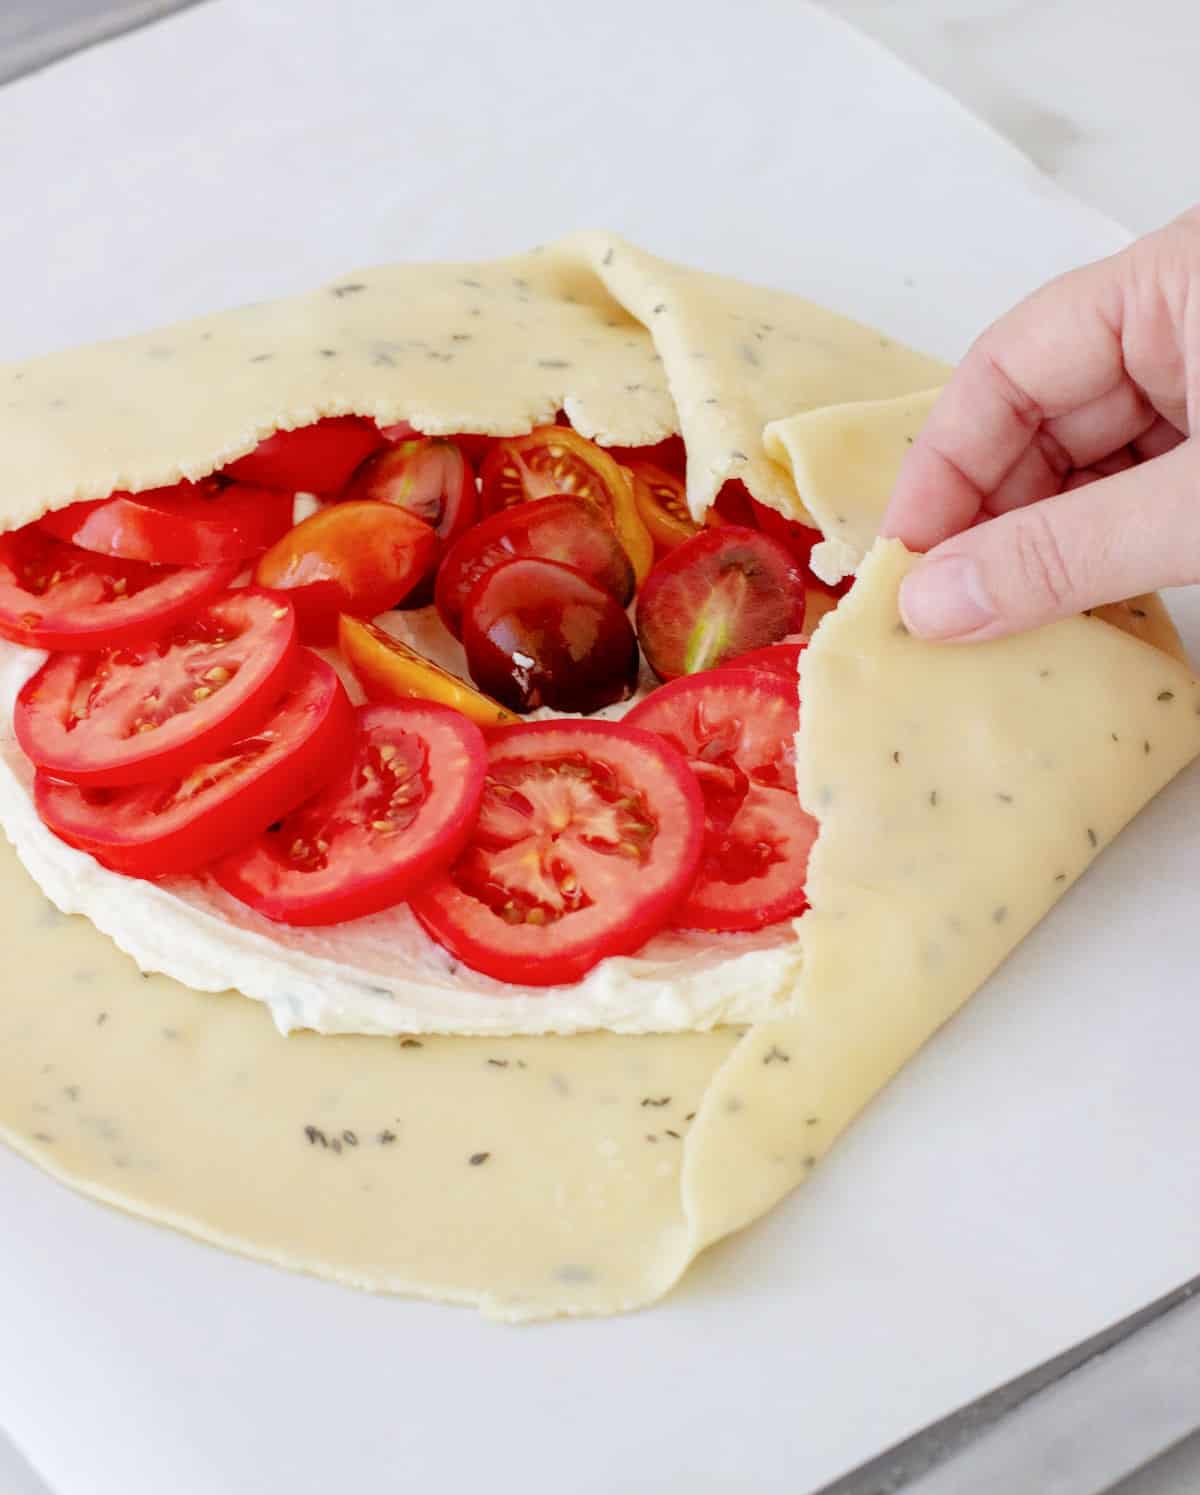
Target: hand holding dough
1065 430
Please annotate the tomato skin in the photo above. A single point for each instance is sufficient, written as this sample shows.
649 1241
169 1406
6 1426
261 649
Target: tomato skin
564 529
777 659
427 476
553 460
394 816
388 670
169 827
735 728
668 455
310 459
606 904
189 524
98 602
361 557
210 679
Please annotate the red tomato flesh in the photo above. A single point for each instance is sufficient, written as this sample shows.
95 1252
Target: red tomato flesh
311 459
391 819
360 558
568 530
718 594
190 524
589 836
778 659
736 728
177 825
153 710
56 596
428 477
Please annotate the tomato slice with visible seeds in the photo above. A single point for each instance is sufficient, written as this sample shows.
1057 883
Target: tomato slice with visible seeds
736 728
556 460
389 670
429 477
152 710
310 459
359 558
718 594
180 824
567 530
393 817
589 837
189 524
56 596
662 502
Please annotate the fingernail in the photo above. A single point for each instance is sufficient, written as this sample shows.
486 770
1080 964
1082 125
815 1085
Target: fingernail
945 598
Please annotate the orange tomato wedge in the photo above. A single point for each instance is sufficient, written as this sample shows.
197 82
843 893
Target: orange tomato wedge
661 499
554 459
388 670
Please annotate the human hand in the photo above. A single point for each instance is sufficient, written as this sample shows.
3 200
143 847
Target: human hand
1054 473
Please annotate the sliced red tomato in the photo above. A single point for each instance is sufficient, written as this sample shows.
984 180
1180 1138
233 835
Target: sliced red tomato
736 728
718 594
668 455
429 477
556 460
311 459
153 710
388 670
661 499
567 530
778 659
589 837
359 558
56 596
189 524
394 816
179 824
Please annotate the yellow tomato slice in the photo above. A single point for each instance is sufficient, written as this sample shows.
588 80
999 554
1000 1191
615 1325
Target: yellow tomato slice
388 670
661 500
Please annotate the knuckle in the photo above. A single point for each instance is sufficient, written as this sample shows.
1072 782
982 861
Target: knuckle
1043 573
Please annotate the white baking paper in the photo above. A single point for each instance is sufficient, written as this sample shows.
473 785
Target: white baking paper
1033 1175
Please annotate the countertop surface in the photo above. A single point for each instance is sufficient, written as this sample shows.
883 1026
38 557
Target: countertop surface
1103 101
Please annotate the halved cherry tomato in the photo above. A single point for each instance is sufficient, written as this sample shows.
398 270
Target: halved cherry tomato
310 459
359 558
540 634
555 460
190 524
736 727
669 455
152 710
179 824
567 530
718 594
429 477
56 596
388 670
799 538
777 659
589 837
662 502
394 816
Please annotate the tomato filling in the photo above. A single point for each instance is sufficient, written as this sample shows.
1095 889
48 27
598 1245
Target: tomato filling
178 727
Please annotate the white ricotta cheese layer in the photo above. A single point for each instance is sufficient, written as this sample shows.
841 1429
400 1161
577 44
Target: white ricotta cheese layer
382 974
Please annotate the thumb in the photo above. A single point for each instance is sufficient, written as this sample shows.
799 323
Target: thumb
1100 542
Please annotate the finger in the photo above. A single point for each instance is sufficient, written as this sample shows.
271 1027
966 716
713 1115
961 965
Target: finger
1161 438
1112 420
1118 462
1039 471
1060 349
1128 533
